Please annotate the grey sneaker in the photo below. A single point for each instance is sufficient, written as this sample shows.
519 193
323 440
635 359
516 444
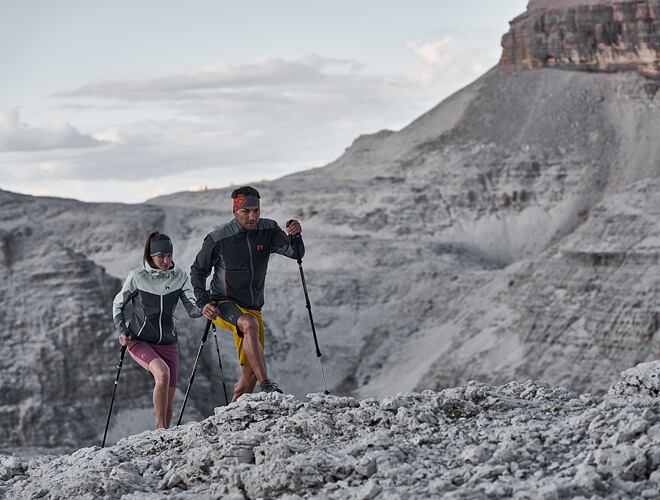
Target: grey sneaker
268 386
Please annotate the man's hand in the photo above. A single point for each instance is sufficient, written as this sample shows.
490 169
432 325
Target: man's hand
210 312
123 338
293 228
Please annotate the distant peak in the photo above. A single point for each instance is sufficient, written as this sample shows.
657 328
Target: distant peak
564 4
381 134
365 139
586 35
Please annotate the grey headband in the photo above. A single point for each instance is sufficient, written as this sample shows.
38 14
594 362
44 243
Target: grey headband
251 201
160 247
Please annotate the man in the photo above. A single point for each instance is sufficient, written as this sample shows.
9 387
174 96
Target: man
238 253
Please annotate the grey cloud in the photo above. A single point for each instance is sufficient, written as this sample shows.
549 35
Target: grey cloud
135 161
316 87
17 136
267 73
87 107
247 118
178 147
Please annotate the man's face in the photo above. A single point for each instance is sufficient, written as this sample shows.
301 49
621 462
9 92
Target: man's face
248 217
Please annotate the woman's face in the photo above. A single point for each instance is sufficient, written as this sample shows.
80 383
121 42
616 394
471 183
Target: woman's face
163 262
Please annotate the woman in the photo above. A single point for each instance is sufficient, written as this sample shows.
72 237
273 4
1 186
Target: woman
153 291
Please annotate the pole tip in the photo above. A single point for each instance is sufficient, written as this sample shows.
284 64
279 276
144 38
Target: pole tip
327 393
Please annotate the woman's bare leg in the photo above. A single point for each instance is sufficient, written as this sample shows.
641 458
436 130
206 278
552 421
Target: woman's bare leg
161 374
170 404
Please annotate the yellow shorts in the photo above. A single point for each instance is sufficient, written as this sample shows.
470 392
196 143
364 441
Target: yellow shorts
229 314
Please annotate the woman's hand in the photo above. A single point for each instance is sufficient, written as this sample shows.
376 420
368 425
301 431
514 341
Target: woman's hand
123 339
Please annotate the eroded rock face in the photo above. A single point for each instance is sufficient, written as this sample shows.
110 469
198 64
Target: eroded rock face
54 340
586 35
527 440
562 315
509 233
59 350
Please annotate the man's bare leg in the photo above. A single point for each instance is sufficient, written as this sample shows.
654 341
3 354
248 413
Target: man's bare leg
161 374
254 353
245 383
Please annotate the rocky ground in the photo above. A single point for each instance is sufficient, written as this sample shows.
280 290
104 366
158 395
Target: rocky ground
519 440
510 233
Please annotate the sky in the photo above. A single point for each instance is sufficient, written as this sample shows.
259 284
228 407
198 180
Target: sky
126 100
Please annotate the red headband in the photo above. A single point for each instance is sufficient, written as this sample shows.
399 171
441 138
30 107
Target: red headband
241 201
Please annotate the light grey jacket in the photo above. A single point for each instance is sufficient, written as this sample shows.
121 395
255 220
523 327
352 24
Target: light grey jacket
153 295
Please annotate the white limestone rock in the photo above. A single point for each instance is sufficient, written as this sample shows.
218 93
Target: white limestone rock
643 379
510 233
538 441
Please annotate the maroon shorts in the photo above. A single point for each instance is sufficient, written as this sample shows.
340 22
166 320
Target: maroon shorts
145 352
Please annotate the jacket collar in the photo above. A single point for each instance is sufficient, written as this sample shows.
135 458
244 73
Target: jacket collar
236 227
157 273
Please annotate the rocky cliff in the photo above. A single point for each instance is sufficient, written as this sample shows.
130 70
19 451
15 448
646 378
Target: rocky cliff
588 35
519 440
509 233
468 219
566 305
59 348
53 341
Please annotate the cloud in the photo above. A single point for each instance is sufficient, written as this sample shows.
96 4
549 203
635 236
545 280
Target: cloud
302 113
312 89
448 63
17 136
220 79
234 123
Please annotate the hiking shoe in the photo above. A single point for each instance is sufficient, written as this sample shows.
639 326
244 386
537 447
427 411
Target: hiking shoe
268 386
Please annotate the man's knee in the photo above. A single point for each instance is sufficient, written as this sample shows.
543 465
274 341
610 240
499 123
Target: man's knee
248 325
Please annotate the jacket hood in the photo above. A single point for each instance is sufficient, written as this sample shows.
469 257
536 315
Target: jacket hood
157 273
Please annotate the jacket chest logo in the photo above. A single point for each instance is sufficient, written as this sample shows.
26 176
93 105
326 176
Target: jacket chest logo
260 248
167 287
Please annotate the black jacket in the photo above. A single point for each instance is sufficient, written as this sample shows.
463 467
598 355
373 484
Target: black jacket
239 259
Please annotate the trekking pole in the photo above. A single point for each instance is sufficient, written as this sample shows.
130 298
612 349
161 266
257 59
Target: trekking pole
309 309
112 402
222 375
192 375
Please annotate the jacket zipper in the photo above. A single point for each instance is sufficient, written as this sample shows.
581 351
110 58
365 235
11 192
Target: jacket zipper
160 320
251 268
142 327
